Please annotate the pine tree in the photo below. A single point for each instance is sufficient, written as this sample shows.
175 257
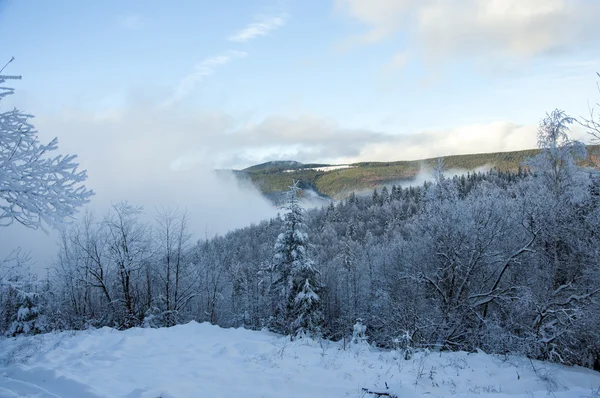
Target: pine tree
307 314
28 318
295 287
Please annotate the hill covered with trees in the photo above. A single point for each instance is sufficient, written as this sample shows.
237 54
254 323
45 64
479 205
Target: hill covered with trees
339 181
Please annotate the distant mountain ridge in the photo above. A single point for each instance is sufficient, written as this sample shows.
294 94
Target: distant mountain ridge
338 181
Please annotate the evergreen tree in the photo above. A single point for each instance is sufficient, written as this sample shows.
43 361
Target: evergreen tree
307 314
28 318
294 291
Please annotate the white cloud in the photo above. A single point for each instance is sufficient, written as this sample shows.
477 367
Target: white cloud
481 138
131 22
398 61
129 156
202 70
149 145
319 140
260 28
383 17
497 28
209 66
314 139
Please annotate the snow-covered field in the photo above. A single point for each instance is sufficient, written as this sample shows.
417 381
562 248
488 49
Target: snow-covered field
201 360
325 168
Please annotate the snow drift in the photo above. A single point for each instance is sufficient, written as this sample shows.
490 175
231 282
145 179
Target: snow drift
202 360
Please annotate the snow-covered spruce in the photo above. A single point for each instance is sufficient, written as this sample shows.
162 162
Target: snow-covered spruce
295 287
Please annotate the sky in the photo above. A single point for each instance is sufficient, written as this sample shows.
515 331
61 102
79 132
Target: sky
153 95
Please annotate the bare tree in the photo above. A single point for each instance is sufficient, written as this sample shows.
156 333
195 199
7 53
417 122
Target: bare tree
172 239
84 269
128 248
592 124
556 162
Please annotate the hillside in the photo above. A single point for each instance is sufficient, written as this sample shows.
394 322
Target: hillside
338 181
202 360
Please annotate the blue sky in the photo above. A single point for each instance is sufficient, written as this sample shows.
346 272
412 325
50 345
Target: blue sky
152 95
364 69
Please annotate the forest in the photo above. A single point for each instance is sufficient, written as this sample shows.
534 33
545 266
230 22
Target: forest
497 261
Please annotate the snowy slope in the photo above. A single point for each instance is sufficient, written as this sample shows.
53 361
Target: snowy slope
201 360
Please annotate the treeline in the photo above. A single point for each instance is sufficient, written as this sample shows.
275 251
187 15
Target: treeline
503 262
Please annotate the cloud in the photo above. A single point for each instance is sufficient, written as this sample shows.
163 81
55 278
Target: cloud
314 139
517 28
260 28
479 138
149 145
131 22
311 139
155 156
383 17
209 66
129 156
398 61
201 70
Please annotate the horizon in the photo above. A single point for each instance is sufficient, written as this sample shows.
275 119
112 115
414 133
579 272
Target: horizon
591 144
152 97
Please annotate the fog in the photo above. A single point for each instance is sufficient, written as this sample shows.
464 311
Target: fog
152 155
151 159
215 205
426 174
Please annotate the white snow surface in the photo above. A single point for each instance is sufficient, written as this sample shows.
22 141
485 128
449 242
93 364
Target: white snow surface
202 360
324 168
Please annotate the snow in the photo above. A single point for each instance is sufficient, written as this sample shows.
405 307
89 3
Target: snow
309 295
22 313
331 168
202 360
359 333
325 168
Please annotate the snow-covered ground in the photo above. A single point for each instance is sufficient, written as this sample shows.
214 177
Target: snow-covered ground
201 360
324 168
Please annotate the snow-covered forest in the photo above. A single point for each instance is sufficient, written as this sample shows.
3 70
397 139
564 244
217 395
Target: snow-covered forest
303 199
503 262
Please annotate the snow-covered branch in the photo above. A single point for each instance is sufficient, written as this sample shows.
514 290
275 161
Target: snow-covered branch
35 187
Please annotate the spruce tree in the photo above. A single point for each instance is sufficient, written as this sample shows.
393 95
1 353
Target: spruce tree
294 291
